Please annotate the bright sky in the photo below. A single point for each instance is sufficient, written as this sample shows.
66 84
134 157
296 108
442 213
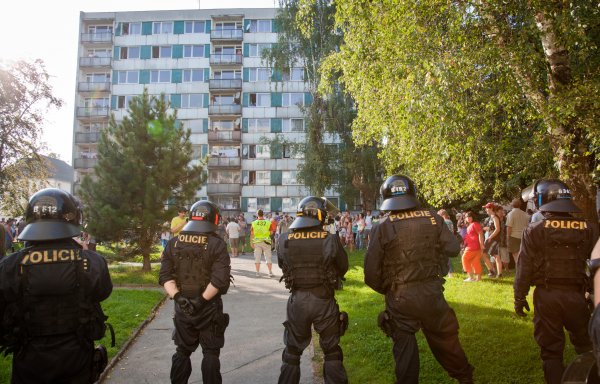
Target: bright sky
48 30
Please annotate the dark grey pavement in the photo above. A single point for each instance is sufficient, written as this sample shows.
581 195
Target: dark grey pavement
253 340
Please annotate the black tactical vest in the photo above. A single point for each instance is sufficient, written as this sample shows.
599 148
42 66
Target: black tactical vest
413 255
192 264
305 263
566 247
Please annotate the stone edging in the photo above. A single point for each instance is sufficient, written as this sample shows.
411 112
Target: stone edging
130 341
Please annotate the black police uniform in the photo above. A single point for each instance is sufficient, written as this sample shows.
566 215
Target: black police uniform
193 260
406 261
313 261
553 258
50 294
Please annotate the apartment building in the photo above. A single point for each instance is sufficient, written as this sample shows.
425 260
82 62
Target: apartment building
208 63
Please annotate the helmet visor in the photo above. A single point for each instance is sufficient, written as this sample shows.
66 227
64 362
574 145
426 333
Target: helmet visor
49 230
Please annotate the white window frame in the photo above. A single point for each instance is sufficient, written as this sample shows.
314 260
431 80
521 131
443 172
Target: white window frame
294 74
162 27
288 126
263 177
258 125
263 151
259 74
289 178
100 77
218 74
189 75
100 29
289 204
256 49
128 53
287 99
193 50
132 29
101 52
160 76
123 101
194 26
128 77
190 100
260 26
261 100
164 51
97 102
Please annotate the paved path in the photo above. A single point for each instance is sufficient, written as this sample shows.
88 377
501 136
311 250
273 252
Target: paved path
253 340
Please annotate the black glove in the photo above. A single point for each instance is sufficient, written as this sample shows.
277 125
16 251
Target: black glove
519 305
198 303
184 304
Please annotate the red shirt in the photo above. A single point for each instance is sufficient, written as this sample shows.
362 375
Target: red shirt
472 237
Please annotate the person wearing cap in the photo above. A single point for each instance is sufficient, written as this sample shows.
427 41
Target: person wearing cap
50 294
406 261
195 271
516 222
313 262
178 221
553 258
260 240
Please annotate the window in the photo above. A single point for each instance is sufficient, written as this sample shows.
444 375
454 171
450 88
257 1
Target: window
227 202
123 101
289 99
256 151
228 151
130 53
128 77
227 75
224 177
259 26
162 76
259 74
263 177
257 49
222 99
259 100
96 102
159 27
100 29
292 125
256 203
224 125
99 53
161 51
97 77
93 127
263 151
289 204
220 26
194 27
192 100
193 51
259 125
195 126
193 75
289 178
131 29
293 74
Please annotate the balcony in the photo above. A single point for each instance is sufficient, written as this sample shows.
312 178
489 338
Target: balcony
95 62
92 112
106 37
224 136
87 137
225 109
231 189
224 162
94 86
85 162
224 84
220 59
227 35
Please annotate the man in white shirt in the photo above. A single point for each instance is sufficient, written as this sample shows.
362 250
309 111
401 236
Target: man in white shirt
368 227
233 232
516 222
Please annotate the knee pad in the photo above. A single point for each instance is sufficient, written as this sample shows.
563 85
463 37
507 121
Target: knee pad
291 355
334 353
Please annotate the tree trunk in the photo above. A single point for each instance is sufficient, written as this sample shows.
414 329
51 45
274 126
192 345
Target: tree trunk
146 248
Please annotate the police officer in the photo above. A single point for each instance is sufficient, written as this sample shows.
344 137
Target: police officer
313 263
553 257
195 271
406 261
50 294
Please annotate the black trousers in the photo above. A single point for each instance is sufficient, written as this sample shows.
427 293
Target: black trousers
556 309
63 359
304 309
206 329
423 306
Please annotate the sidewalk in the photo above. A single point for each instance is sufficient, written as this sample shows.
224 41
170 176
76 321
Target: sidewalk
253 340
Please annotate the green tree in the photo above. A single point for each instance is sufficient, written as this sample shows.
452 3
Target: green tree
307 34
143 162
476 97
25 97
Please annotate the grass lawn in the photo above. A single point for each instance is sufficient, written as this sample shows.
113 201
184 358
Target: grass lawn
126 310
125 274
498 344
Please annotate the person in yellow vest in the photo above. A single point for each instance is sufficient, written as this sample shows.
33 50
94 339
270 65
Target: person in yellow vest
260 240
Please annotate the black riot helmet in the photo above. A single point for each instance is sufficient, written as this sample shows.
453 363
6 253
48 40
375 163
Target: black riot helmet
203 217
312 211
398 193
51 214
552 195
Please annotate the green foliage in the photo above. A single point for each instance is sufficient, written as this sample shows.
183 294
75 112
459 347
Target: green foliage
498 344
143 162
128 275
466 97
25 97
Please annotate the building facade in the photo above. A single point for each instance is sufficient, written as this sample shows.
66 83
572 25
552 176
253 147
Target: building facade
208 64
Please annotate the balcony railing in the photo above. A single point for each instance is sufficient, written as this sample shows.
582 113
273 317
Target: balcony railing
224 162
87 137
95 61
94 86
224 136
227 188
84 162
105 37
215 84
227 109
221 59
227 34
92 111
